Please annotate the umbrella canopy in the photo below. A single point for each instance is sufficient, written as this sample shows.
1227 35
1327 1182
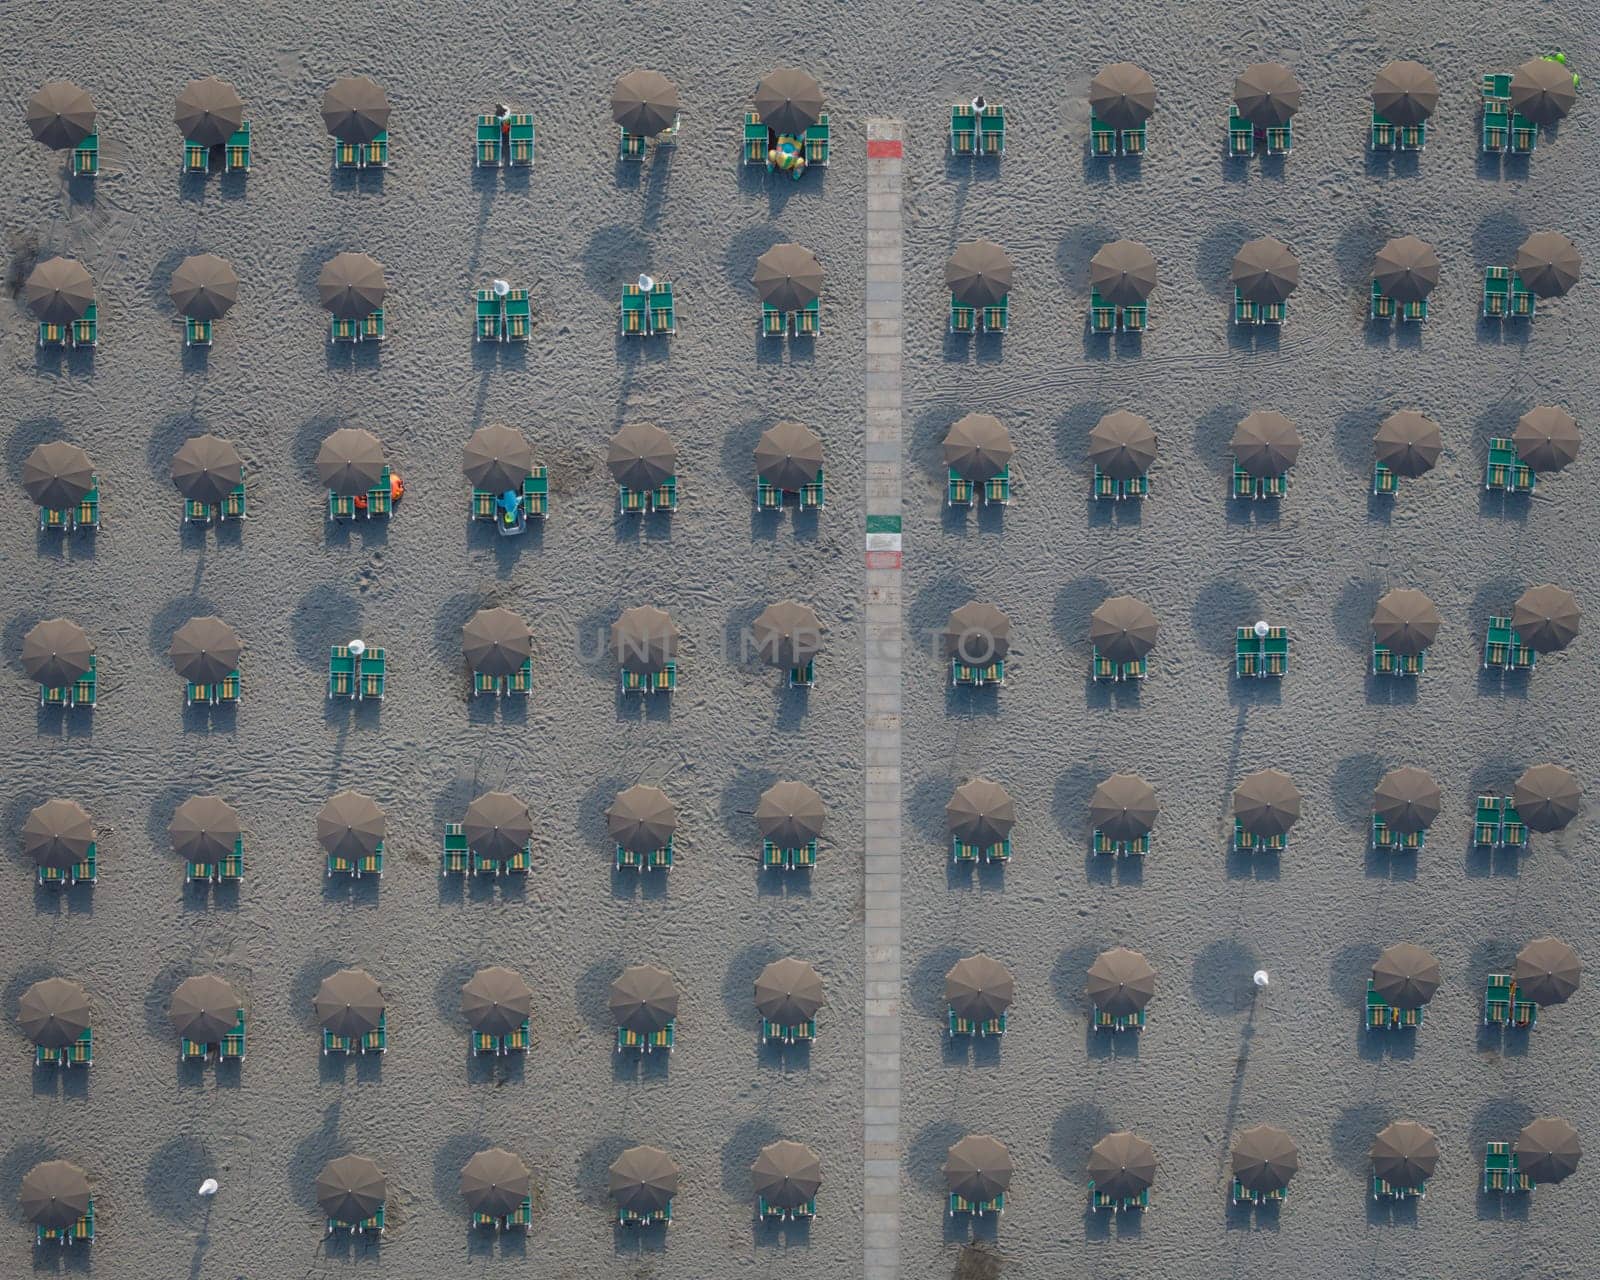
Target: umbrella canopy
644 103
786 1174
977 633
1267 802
1123 629
979 273
641 819
980 812
1408 443
498 825
57 474
1546 438
1407 799
1124 807
787 634
1123 272
56 652
1122 1164
1548 264
1547 971
1120 981
644 639
207 469
55 1194
1405 92
350 1188
789 100
496 642
789 991
1406 975
1122 95
204 829
788 276
1405 1153
204 650
204 1008
1122 445
60 114
351 285
979 987
496 458
1405 621
641 456
1264 270
978 1168
644 1179
355 109
204 286
1406 269
350 460
1548 1149
1265 1158
788 456
644 999
58 290
208 111
1543 90
1546 617
1267 94
349 1003
790 814
1265 443
496 1001
58 834
978 447
53 1013
1547 797
495 1182
351 824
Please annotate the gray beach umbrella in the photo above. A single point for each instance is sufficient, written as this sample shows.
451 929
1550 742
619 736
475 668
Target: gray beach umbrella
1122 95
1546 438
497 458
1548 263
644 103
787 634
355 109
788 100
1543 90
1265 1158
53 1013
978 447
1405 621
1408 443
496 1000
979 987
1264 270
980 812
1124 807
1122 445
495 1182
498 825
55 1194
977 633
496 642
60 114
978 1167
57 474
57 834
1546 618
789 991
1547 796
1548 1149
1547 971
352 285
207 469
641 819
1266 802
644 639
979 273
1405 1153
786 1174
351 1189
1123 272
349 1003
1122 1164
56 652
351 824
204 1008
788 277
1123 629
204 829
58 290
204 650
1405 92
788 456
204 286
1407 799
1406 975
790 814
208 111
1406 269
1120 981
644 1179
644 999
641 456
1267 94
350 461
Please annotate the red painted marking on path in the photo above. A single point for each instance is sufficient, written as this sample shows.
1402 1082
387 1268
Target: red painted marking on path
884 149
885 559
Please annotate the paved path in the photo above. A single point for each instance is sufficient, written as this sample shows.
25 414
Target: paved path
881 1223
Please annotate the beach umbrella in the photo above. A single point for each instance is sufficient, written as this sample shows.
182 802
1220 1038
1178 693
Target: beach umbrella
1123 628
1264 270
1406 269
1546 438
56 652
355 109
786 1174
644 103
349 1003
1120 982
1543 90
208 111
788 100
1264 1158
977 633
1405 621
1548 263
350 461
58 290
350 1189
1267 94
1267 802
55 1194
641 819
788 456
496 458
788 277
1548 1149
1122 445
1123 807
204 286
1407 799
57 474
643 999
789 992
644 639
496 1001
204 650
978 273
1405 1153
351 285
1547 971
204 829
495 1182
1122 1165
498 825
204 1008
351 825
207 469
1408 443
53 1013
644 1179
58 834
641 456
980 812
1122 95
1405 975
496 642
787 634
1405 92
979 987
1265 443
978 447
60 114
978 1168
1547 797
790 814
1123 272
1546 618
